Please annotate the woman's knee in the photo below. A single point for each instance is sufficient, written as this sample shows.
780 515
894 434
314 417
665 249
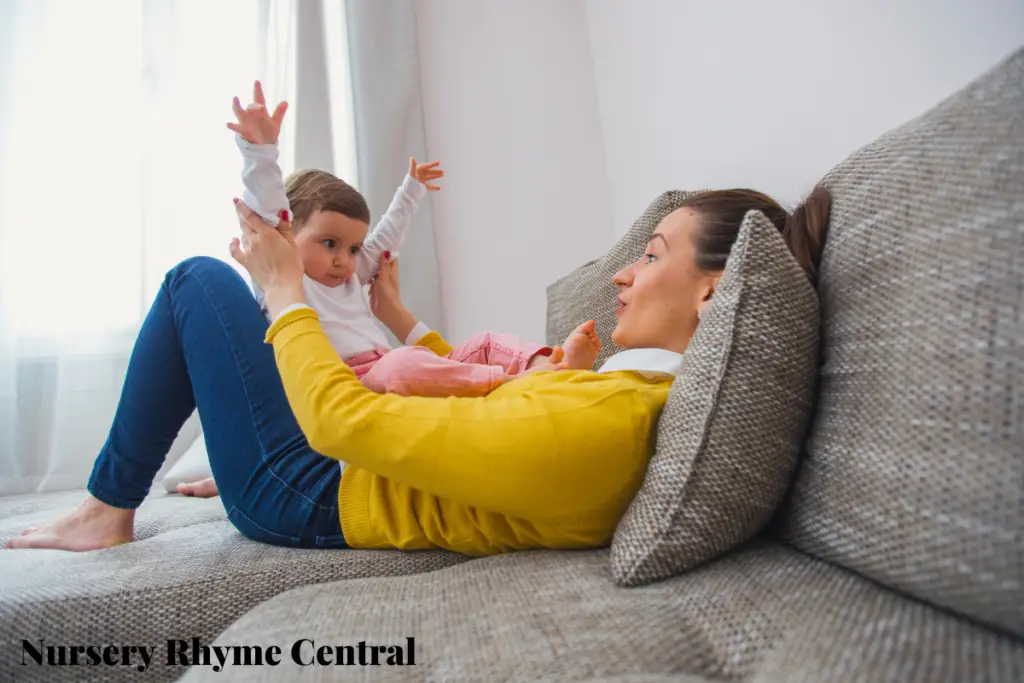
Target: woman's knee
199 263
206 269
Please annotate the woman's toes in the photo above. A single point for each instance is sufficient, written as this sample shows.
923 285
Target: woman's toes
206 488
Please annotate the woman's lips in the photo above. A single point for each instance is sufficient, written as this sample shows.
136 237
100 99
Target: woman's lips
620 309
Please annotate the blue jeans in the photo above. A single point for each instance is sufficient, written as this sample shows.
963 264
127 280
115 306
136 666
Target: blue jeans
201 346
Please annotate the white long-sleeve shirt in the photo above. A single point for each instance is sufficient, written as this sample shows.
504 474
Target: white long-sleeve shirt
344 310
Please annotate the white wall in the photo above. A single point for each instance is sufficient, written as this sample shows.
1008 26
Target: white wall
511 110
771 95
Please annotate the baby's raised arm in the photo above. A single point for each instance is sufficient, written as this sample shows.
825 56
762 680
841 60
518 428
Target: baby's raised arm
390 233
256 134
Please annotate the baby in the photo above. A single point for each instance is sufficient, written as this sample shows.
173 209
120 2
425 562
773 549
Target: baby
341 255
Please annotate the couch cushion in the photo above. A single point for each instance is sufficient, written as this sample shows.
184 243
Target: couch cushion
190 573
588 293
557 616
730 434
915 474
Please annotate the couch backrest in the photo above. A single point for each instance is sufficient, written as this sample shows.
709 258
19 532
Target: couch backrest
915 462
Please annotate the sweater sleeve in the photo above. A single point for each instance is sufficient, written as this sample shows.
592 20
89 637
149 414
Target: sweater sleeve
435 342
390 233
510 452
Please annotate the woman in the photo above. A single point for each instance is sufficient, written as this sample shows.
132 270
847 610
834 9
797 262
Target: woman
550 460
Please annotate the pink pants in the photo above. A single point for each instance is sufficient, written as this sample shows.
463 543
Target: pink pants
474 368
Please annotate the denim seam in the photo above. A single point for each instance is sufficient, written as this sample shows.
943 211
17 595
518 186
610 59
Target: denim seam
245 388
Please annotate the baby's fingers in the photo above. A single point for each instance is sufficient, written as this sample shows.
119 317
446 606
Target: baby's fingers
236 105
278 115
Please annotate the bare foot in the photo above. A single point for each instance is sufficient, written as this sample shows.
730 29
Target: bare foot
581 348
92 526
204 488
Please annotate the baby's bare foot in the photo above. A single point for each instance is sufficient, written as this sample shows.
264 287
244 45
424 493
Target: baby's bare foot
204 488
581 347
92 526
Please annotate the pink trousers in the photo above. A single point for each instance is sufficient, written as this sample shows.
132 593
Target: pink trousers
474 368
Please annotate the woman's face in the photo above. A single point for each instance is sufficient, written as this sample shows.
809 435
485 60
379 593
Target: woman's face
661 293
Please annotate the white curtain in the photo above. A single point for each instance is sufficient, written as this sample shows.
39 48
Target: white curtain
114 165
387 118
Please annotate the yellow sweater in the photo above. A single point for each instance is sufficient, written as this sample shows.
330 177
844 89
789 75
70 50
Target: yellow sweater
551 460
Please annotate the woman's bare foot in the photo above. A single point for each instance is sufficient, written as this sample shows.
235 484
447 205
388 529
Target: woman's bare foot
581 348
204 488
92 526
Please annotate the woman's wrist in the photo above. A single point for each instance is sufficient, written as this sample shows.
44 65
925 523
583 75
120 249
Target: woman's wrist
281 297
400 321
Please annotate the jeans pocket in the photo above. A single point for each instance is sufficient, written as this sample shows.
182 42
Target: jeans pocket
252 530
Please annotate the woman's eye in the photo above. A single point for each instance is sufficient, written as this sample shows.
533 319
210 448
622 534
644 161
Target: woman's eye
330 244
651 258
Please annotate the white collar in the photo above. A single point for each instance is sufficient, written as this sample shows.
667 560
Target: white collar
644 360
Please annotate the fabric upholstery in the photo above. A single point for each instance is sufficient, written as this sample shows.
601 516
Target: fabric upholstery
766 613
915 474
730 435
587 293
190 573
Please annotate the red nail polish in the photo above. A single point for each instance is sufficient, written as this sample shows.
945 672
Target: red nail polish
284 214
387 255
235 200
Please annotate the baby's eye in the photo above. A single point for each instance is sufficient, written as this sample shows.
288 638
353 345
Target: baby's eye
651 258
355 249
330 244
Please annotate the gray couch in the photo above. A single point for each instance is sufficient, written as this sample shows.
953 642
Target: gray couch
897 556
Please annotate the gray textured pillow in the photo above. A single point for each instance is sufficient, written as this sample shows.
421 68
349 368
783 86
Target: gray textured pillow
588 293
730 435
915 467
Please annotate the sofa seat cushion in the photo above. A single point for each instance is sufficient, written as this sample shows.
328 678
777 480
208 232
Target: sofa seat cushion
915 467
189 574
558 616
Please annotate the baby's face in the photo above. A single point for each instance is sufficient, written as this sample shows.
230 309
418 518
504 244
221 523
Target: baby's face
329 242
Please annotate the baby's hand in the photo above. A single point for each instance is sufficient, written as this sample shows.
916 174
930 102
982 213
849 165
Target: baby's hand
255 125
424 173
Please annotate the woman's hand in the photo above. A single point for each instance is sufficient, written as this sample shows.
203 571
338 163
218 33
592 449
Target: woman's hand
386 300
271 257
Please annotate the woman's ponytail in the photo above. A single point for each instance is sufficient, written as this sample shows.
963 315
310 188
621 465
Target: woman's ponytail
722 213
806 228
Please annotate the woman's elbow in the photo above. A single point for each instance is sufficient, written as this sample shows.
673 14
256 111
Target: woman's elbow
324 442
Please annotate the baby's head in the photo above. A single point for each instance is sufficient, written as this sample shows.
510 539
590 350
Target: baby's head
330 221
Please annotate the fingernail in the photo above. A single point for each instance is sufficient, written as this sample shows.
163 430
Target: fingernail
235 200
387 255
284 214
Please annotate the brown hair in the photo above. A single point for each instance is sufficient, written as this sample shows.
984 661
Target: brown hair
310 191
722 213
